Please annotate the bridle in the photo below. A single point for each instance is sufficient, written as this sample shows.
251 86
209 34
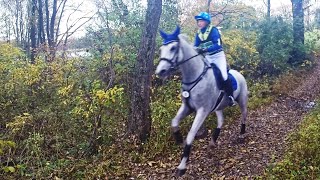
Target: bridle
175 64
174 60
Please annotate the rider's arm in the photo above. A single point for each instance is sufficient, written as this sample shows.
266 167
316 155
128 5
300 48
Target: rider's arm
197 40
215 38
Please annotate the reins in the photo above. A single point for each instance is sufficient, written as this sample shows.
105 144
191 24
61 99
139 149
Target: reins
175 64
174 60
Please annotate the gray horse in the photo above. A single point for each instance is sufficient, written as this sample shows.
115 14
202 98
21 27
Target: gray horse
200 91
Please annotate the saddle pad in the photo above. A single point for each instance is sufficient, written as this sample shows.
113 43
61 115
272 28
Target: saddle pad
219 78
233 80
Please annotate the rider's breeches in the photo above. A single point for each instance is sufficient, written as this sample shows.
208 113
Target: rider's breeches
219 59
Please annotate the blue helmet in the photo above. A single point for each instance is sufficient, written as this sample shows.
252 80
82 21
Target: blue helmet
203 16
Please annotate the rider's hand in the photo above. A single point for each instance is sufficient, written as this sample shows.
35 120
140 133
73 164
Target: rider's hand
201 50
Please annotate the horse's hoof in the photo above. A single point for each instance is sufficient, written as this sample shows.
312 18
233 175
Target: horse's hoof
178 137
202 134
212 144
181 172
241 138
179 142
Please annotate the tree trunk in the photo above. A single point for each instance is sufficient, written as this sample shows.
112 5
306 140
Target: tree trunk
17 12
317 18
41 34
208 9
50 22
140 113
298 53
268 10
33 37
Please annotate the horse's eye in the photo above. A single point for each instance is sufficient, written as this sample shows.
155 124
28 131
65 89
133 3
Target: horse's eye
173 49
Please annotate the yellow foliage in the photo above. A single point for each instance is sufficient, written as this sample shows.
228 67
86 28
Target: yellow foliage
6 145
109 95
8 52
241 50
64 91
19 122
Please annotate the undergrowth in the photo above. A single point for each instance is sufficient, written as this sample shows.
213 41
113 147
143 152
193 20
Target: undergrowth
302 159
58 121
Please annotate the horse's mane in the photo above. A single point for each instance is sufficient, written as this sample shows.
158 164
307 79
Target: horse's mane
185 39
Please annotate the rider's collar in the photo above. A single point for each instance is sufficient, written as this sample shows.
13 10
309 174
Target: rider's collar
204 29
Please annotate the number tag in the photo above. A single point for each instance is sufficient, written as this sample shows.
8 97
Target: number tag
185 94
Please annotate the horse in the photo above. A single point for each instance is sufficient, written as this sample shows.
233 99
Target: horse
200 91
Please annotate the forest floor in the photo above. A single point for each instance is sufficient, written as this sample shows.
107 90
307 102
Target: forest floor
266 140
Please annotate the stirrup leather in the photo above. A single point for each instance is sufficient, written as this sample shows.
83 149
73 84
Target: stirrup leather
231 102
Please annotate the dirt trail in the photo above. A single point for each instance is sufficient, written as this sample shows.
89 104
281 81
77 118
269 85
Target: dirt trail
267 129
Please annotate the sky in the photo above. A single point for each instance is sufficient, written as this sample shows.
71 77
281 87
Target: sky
86 8
275 6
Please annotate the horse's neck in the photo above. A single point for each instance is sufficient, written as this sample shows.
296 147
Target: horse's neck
194 67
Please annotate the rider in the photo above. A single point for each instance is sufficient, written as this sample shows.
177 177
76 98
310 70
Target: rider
208 41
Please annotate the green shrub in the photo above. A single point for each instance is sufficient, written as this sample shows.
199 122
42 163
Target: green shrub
312 41
54 111
302 158
8 52
241 51
274 45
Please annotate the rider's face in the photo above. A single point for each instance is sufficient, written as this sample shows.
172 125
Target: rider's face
202 23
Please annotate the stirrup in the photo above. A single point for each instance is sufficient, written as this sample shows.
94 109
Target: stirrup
231 102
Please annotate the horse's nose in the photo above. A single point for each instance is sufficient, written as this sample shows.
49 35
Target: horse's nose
162 73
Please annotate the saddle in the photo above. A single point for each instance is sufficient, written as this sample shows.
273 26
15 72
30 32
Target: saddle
219 79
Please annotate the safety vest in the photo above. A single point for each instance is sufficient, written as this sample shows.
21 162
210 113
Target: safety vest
205 41
204 36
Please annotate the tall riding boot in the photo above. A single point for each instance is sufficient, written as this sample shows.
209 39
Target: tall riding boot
227 84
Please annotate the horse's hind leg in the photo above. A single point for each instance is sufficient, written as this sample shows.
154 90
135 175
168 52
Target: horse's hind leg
216 132
243 101
183 111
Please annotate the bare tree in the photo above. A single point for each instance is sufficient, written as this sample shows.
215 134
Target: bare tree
41 32
140 113
268 9
209 2
33 30
36 24
72 27
16 20
53 23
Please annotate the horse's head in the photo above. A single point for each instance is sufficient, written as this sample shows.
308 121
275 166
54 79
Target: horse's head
170 53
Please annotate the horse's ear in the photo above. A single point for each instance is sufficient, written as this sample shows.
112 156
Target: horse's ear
177 31
163 34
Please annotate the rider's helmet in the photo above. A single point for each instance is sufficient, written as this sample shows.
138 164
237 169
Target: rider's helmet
203 16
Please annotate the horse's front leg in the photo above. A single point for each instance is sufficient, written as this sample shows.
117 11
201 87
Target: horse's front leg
198 121
216 132
183 112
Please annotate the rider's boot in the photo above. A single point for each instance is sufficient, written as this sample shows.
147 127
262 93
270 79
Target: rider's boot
227 85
